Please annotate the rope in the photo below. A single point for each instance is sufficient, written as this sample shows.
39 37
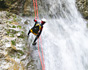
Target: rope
42 52
36 12
40 56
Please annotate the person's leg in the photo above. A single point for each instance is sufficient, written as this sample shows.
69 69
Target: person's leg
34 43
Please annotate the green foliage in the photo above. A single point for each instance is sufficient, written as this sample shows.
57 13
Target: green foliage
13 42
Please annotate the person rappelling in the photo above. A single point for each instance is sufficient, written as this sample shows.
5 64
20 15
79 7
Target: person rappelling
37 29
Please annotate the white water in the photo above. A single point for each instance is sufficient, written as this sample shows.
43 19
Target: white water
64 37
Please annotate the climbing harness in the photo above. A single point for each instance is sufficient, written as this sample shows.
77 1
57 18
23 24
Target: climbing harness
36 16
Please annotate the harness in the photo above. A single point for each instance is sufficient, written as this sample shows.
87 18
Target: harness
35 30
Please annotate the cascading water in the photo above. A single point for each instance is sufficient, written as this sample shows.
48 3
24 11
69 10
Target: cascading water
64 37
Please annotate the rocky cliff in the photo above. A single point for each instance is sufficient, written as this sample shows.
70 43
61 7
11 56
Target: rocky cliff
25 7
15 53
83 7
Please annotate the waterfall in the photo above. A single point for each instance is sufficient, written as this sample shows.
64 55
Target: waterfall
64 36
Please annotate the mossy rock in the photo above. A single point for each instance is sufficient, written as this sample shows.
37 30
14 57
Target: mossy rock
10 31
13 42
9 2
19 26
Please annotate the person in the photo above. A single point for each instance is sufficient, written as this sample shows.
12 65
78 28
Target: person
37 29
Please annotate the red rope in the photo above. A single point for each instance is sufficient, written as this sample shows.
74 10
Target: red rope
42 52
36 11
40 56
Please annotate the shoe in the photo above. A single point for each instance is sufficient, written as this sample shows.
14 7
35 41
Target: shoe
34 43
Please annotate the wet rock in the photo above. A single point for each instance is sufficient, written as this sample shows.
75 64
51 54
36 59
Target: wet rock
11 47
15 51
83 7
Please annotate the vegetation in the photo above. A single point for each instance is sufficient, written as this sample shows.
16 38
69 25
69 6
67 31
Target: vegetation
13 42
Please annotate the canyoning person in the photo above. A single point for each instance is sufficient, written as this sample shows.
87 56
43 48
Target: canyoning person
37 29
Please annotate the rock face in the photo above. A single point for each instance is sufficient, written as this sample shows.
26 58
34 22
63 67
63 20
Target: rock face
11 43
25 7
83 7
15 53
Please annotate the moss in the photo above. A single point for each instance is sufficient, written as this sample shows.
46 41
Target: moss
13 26
18 55
8 32
21 36
21 52
13 31
19 26
13 42
24 48
87 2
11 35
22 32
14 19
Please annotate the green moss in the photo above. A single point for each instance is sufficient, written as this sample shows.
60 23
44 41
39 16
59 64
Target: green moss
22 32
21 52
18 55
21 36
11 35
13 42
13 26
10 22
24 48
19 26
8 32
12 55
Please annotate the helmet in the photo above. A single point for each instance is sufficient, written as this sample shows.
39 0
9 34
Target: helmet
43 20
